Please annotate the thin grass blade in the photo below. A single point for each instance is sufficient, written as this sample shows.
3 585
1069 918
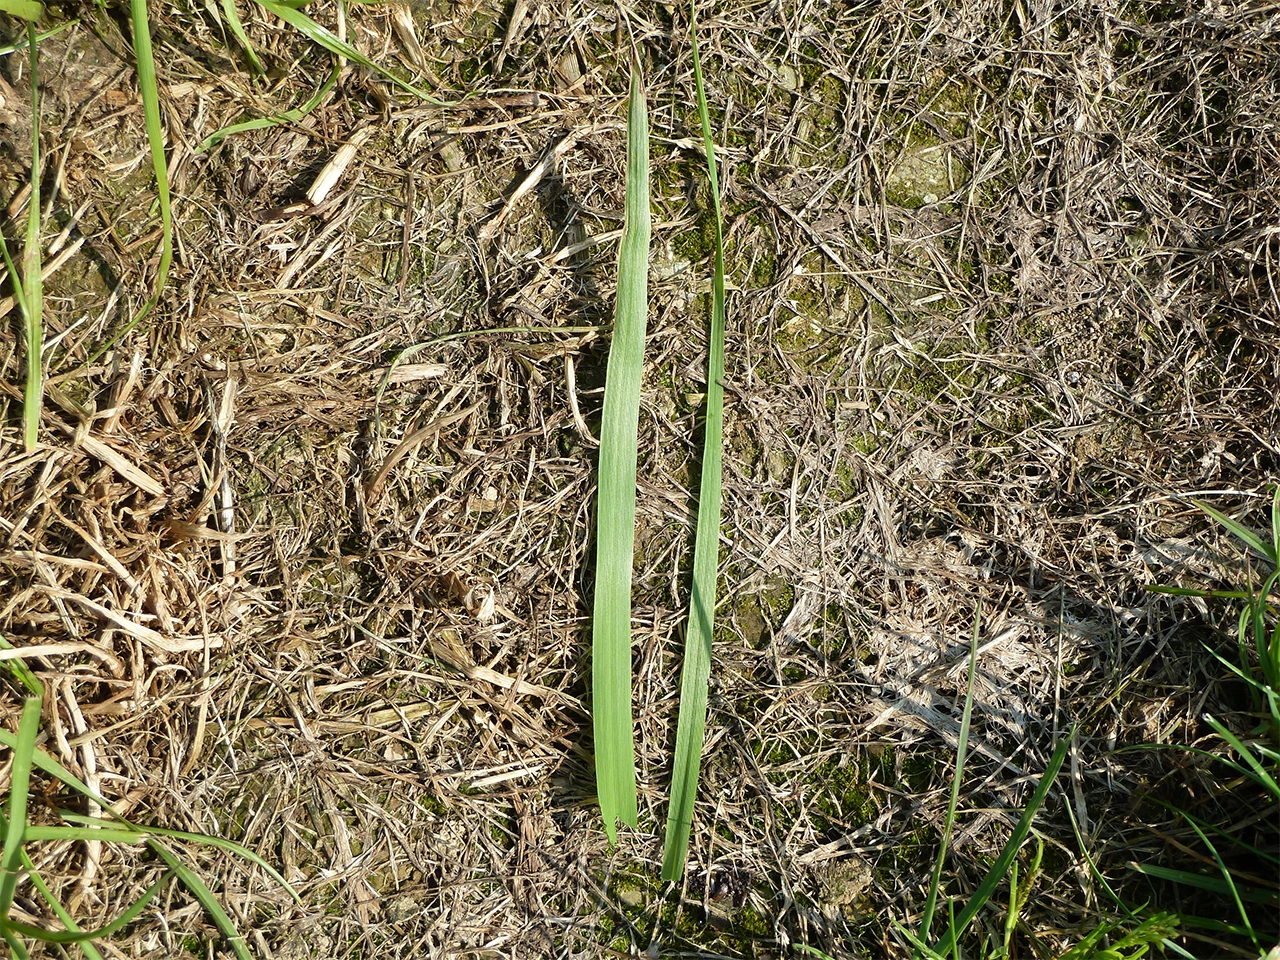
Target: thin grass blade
81 937
47 764
237 30
335 45
616 508
32 280
962 748
59 910
192 882
1242 533
144 59
23 748
1001 867
277 119
691 726
1259 771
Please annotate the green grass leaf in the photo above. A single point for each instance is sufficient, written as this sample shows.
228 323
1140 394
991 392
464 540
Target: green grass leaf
1254 542
144 61
24 748
691 727
277 119
237 30
961 749
335 45
995 876
192 882
616 499
26 9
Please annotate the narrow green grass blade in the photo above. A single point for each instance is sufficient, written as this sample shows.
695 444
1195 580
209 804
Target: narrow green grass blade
53 768
616 507
83 936
146 65
1259 771
1202 882
331 42
1242 533
32 282
1231 884
192 882
24 43
1275 521
237 30
691 727
21 671
1000 868
144 60
277 119
59 911
230 846
19 782
962 748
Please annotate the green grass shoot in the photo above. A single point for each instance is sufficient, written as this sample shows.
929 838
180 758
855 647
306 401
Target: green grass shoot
27 282
691 727
1000 869
144 61
326 38
616 501
962 748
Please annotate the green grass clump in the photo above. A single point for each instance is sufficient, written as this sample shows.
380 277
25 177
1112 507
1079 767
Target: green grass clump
16 863
1255 769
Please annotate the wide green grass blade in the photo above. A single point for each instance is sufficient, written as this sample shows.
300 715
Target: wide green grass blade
26 9
691 727
616 507
995 876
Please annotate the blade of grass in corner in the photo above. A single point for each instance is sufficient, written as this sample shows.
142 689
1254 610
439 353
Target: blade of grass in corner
144 60
335 45
691 727
962 748
197 887
616 498
28 283
19 781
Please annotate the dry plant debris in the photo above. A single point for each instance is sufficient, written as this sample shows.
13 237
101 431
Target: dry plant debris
1002 288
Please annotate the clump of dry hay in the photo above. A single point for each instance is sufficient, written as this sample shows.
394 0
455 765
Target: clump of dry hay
1006 286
